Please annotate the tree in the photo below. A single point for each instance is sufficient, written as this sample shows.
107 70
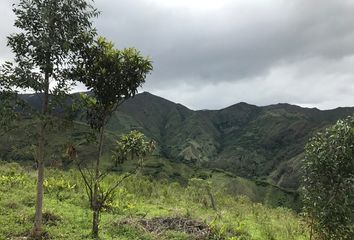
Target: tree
112 76
129 147
51 33
132 145
328 182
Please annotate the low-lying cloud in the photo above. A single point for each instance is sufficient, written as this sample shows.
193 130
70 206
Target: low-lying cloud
209 54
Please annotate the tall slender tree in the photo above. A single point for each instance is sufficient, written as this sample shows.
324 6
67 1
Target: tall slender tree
51 32
112 76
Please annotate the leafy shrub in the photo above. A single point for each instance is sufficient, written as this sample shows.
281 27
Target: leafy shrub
12 180
60 187
328 181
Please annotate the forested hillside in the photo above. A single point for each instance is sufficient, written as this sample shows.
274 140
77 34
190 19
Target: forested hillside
249 141
258 143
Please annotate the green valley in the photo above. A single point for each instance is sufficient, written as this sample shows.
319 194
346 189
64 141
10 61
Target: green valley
86 152
256 150
258 143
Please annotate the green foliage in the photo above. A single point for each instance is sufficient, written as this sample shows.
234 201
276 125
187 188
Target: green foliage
52 32
138 198
248 141
201 192
8 114
61 187
328 181
243 139
112 75
12 180
132 144
45 48
154 166
101 195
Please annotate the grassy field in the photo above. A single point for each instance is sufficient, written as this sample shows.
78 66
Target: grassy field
139 210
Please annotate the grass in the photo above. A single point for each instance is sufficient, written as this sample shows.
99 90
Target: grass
68 215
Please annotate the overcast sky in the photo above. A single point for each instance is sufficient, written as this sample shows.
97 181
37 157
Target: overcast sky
209 54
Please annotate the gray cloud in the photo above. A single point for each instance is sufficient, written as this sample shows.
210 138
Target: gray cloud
231 43
313 89
220 52
6 28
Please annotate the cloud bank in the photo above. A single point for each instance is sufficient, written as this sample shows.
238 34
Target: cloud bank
208 54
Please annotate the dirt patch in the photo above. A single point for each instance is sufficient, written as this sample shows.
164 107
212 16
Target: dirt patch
159 225
12 205
50 219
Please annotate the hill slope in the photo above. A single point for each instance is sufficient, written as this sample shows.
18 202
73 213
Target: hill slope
249 141
258 143
141 209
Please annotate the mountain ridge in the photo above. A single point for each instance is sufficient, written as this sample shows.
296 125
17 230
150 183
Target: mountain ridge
255 142
248 140
244 103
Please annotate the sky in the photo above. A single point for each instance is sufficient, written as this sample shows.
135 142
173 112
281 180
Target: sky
209 54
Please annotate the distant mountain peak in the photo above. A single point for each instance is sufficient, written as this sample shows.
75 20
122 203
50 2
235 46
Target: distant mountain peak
240 106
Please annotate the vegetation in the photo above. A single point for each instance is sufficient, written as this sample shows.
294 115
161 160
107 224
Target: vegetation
328 181
224 139
132 145
210 170
259 143
8 115
112 76
99 195
50 33
138 199
17 146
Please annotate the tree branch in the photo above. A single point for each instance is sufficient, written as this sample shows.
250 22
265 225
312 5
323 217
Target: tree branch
88 187
114 187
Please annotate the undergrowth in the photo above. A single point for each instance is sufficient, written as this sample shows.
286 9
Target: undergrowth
138 200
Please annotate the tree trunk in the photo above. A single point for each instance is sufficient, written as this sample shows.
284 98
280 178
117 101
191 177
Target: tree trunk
116 162
95 222
37 229
95 204
311 227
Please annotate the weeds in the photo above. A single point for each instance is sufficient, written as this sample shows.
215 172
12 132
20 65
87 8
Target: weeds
140 209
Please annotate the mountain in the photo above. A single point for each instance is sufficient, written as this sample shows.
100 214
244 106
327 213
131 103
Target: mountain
264 143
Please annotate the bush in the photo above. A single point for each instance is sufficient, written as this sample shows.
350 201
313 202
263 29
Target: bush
328 181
